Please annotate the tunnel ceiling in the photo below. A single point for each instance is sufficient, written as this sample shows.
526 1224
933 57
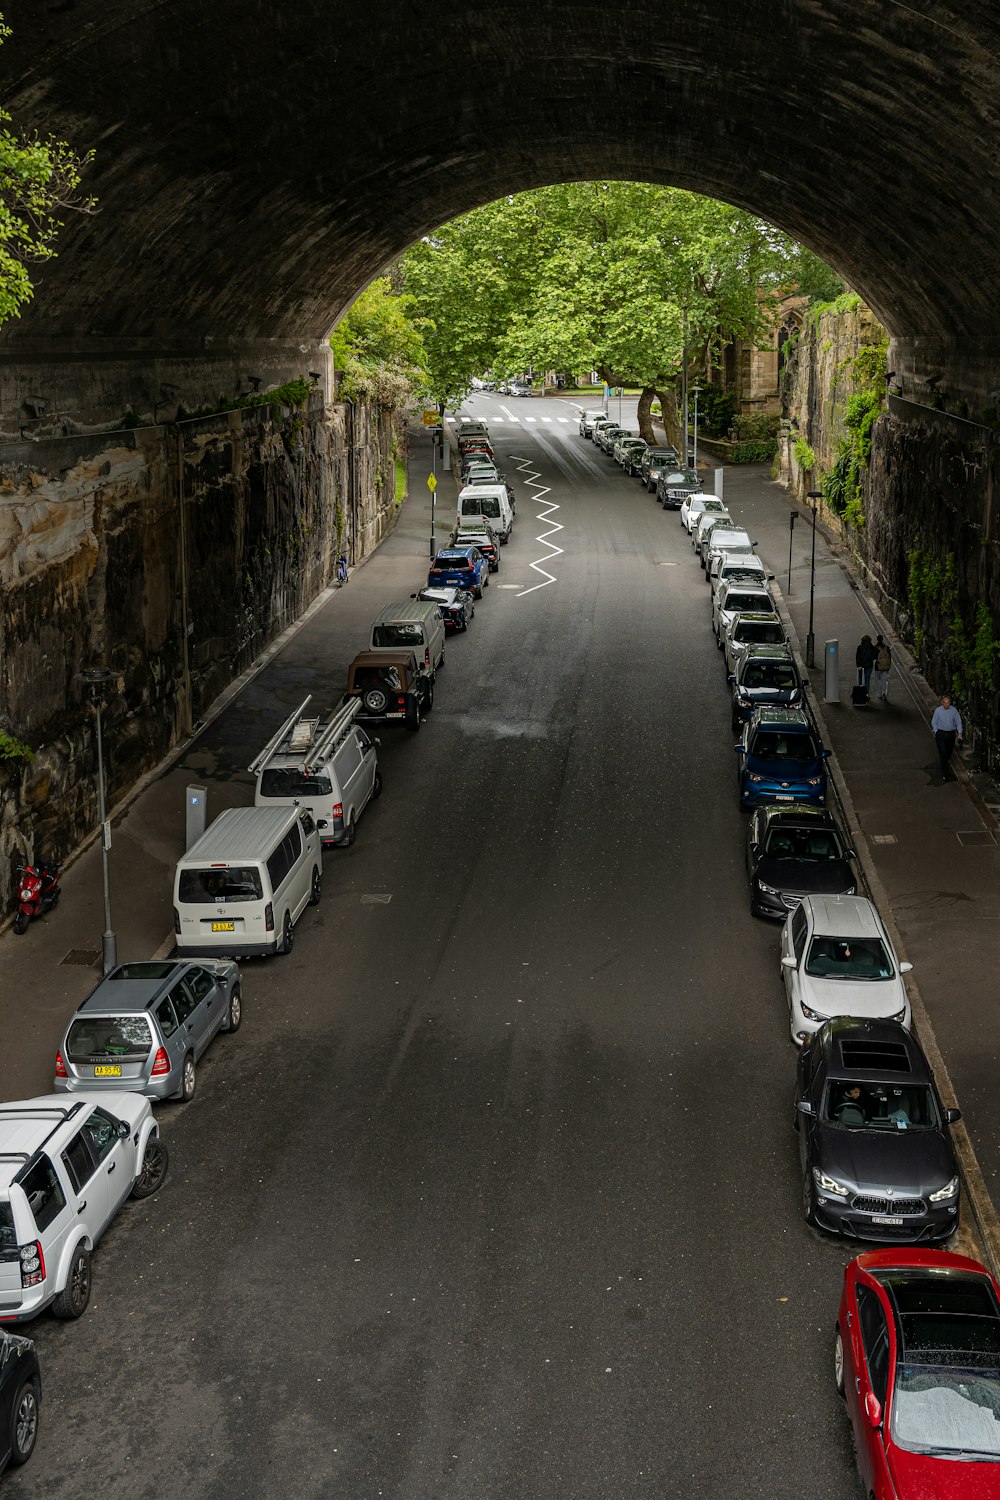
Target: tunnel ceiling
257 163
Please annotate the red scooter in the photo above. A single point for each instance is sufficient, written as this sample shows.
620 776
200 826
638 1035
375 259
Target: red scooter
37 893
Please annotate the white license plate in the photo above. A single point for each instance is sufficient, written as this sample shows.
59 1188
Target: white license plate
784 797
883 1219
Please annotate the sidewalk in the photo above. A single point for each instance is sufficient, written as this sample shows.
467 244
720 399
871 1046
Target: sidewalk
932 845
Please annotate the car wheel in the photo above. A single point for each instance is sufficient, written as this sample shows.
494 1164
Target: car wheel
413 717
235 1013
477 592
24 1424
153 1172
838 1365
287 934
808 1205
486 580
441 662
376 700
377 785
350 835
461 623
429 700
72 1300
316 884
189 1080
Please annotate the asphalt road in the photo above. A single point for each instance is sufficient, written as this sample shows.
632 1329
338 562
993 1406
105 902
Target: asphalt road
495 1193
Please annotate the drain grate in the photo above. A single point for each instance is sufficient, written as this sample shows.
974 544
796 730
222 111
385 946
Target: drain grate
882 838
85 958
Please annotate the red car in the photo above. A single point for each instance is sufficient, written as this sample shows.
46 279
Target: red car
917 1359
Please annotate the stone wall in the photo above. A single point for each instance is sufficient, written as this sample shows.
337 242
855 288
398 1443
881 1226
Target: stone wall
172 555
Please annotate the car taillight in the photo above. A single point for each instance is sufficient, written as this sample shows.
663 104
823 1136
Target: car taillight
161 1063
32 1263
338 810
177 921
427 656
401 701
60 1066
269 917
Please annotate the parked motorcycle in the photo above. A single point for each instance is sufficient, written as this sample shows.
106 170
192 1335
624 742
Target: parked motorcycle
38 892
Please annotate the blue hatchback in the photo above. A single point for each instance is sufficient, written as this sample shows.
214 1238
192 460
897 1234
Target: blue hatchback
460 568
781 759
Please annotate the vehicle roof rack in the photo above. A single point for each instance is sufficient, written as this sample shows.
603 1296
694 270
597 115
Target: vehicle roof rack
330 733
274 743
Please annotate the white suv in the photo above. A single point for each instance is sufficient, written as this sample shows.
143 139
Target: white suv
837 960
66 1168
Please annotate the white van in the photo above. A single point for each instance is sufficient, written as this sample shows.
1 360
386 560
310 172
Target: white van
490 501
331 768
412 626
240 889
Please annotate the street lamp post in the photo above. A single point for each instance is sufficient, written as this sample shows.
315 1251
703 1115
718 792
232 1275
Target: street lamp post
98 678
815 496
792 518
695 392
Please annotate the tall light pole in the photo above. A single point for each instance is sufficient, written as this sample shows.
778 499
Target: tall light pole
695 392
97 678
793 516
815 496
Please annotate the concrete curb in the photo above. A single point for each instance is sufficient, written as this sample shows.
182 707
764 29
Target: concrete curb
977 1195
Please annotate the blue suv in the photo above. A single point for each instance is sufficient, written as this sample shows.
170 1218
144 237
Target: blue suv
781 759
460 568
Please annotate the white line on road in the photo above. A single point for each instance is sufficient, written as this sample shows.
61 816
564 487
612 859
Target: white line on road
554 526
531 419
508 413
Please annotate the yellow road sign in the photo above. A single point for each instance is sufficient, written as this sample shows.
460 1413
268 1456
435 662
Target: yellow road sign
432 483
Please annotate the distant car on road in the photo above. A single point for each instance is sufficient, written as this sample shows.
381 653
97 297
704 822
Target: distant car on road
455 606
146 1025
877 1159
587 420
483 537
917 1361
745 631
673 486
737 598
630 455
837 959
520 388
694 507
765 676
794 850
394 685
781 759
653 460
460 568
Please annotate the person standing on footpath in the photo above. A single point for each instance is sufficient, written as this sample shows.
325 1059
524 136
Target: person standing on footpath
946 727
883 666
864 660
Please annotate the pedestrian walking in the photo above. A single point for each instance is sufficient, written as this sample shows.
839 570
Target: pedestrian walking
883 666
864 660
946 727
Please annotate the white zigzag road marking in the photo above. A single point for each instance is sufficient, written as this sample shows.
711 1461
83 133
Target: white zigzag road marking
554 526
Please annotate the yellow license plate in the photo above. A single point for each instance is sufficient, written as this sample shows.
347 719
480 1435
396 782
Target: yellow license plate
223 926
111 1070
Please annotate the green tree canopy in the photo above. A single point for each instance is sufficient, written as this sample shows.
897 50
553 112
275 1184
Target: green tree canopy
39 182
379 345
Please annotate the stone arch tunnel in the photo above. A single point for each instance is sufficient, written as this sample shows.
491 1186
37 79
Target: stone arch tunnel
257 164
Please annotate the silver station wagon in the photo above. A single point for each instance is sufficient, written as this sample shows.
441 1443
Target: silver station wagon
145 1026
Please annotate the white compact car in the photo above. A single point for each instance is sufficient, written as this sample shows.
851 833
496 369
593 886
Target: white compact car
837 960
693 508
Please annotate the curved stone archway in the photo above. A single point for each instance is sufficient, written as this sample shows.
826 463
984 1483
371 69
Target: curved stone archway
256 165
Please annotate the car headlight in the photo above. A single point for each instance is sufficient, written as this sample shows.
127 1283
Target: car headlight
829 1184
767 889
755 778
948 1191
814 780
899 1016
812 1015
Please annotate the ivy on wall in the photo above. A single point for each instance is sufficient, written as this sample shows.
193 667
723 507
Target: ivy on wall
974 653
842 485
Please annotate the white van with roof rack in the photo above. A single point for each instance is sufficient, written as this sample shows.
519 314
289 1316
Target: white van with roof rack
241 887
330 767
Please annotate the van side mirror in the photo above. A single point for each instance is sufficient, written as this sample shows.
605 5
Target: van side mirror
739 749
825 753
952 1116
123 1130
731 677
788 962
873 1409
905 968
804 1107
849 854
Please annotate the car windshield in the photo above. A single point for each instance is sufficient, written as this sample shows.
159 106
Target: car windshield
292 781
772 744
803 843
760 632
677 477
737 602
775 675
231 883
849 958
949 1409
881 1106
92 1038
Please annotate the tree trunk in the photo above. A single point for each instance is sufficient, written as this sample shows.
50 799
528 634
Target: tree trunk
645 420
670 417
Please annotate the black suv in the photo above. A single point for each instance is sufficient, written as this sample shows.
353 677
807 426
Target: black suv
674 485
764 675
391 684
794 850
877 1160
655 459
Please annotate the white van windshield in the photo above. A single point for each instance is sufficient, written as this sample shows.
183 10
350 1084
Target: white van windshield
234 883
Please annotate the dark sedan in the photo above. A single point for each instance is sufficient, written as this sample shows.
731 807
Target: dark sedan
794 851
653 461
877 1159
20 1398
455 606
764 675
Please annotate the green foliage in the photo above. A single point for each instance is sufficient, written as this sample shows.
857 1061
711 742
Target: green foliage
842 486
753 451
814 278
39 181
756 424
844 303
379 345
804 455
716 409
973 654
292 393
11 748
400 479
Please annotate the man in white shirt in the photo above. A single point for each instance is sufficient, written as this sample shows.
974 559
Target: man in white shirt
946 727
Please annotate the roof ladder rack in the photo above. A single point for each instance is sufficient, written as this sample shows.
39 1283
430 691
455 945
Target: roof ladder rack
274 743
332 732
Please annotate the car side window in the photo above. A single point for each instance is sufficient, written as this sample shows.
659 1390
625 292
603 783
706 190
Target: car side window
199 983
166 1018
799 927
875 1339
293 841
278 865
44 1193
102 1132
79 1161
308 826
183 1000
